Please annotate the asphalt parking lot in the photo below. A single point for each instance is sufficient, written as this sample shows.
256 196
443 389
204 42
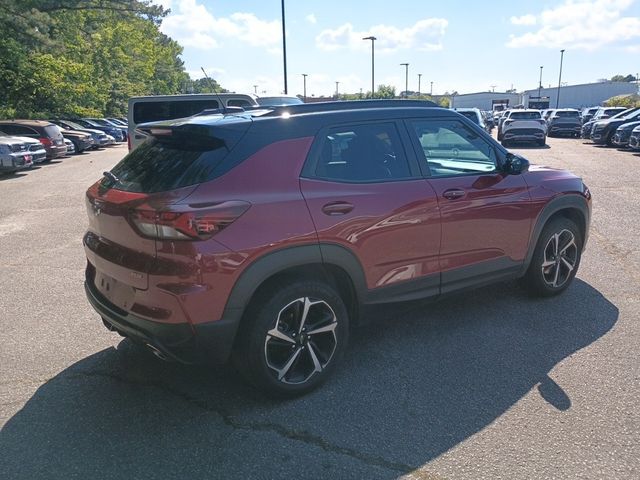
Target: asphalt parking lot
489 384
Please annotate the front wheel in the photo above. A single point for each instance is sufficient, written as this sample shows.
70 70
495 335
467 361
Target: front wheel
556 258
292 338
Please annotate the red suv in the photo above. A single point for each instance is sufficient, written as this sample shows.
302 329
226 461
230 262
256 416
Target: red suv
260 235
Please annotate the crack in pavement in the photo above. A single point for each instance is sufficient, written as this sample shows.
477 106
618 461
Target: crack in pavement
301 436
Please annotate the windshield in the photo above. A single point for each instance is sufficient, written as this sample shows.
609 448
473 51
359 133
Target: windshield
99 121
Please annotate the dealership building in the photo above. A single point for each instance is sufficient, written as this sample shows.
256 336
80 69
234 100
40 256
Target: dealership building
571 96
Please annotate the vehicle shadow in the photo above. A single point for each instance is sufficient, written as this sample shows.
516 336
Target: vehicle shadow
529 146
13 175
415 383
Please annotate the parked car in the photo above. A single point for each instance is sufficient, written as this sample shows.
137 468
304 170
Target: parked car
603 130
501 119
634 139
45 132
524 126
71 149
14 155
475 115
35 148
168 107
98 136
81 140
115 132
262 238
623 134
546 114
107 123
587 114
588 127
117 121
564 121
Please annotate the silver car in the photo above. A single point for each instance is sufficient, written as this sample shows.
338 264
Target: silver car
14 155
38 153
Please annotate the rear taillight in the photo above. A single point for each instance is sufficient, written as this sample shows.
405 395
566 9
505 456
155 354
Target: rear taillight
46 141
195 224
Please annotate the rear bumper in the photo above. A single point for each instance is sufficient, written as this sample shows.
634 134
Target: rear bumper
181 342
523 134
565 129
56 151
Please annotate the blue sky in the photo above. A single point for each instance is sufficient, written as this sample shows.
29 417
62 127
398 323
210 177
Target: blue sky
458 45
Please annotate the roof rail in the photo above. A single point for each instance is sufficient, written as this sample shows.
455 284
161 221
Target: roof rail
346 105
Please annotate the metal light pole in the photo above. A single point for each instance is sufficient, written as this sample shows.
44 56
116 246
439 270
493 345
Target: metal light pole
559 79
337 83
304 79
373 39
419 79
255 89
540 83
406 79
431 91
284 51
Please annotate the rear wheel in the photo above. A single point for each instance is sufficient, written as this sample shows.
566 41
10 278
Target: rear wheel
292 338
556 258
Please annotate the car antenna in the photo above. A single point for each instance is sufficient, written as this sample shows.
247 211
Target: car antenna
213 87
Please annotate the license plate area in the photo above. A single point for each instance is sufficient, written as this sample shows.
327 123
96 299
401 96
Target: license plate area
116 292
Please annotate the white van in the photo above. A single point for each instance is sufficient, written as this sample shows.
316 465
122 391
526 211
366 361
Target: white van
168 107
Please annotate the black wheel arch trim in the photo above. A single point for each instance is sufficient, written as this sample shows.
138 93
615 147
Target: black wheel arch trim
275 262
564 202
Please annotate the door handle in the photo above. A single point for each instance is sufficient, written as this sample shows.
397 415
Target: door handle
337 208
453 194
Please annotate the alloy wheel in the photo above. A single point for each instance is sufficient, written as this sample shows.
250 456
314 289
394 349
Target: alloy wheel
303 340
560 258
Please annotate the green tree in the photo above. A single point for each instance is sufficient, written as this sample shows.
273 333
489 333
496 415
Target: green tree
80 57
623 78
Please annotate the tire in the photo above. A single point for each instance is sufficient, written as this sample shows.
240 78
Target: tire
278 352
560 270
610 140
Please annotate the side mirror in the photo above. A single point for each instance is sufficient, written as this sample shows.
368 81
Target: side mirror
515 164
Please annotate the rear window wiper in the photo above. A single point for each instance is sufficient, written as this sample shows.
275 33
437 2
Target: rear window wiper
111 177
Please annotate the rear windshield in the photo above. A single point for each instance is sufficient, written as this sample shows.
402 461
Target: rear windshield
567 114
169 110
525 116
157 166
470 115
52 131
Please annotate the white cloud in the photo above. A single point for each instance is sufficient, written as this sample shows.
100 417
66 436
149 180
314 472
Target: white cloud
579 24
193 25
424 35
524 20
311 18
